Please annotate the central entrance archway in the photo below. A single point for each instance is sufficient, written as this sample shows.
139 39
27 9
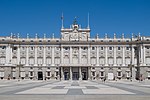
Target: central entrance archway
40 75
75 73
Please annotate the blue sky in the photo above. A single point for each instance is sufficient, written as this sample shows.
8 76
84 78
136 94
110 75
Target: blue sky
44 16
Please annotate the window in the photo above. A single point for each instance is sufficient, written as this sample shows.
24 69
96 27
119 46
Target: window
102 73
127 40
66 48
93 48
15 48
57 48
102 41
31 73
48 40
40 48
84 48
56 73
57 40
48 73
31 41
31 48
119 73
23 40
3 47
40 40
93 73
110 48
110 40
119 48
93 40
127 48
102 48
118 40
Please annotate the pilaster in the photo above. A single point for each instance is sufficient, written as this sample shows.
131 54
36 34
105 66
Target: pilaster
106 56
35 59
44 56
123 56
115 56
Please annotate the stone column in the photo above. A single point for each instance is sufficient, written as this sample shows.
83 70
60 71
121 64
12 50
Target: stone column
115 56
11 54
8 54
35 62
62 73
80 55
141 55
80 74
133 73
89 73
62 55
144 63
89 62
27 56
18 55
123 56
70 55
97 56
132 55
44 56
106 57
53 58
70 73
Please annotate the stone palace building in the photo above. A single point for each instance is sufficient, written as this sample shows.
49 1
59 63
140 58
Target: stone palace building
75 56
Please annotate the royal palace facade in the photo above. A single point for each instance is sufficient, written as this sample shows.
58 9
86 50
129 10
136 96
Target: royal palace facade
75 56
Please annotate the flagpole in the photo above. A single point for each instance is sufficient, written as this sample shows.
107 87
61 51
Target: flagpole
62 20
88 22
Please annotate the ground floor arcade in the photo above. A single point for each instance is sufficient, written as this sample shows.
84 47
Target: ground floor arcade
72 72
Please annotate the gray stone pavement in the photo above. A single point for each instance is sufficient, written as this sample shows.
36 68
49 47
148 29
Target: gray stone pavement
74 90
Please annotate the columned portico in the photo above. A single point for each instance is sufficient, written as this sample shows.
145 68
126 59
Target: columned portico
75 73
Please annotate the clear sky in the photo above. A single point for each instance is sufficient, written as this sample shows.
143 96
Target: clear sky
44 16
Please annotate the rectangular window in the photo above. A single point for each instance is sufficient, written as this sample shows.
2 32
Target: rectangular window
127 48
102 73
48 73
110 48
93 48
40 48
102 48
31 73
93 73
119 73
118 48
31 48
56 73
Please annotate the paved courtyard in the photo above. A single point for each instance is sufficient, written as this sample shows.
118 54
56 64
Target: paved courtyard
74 90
